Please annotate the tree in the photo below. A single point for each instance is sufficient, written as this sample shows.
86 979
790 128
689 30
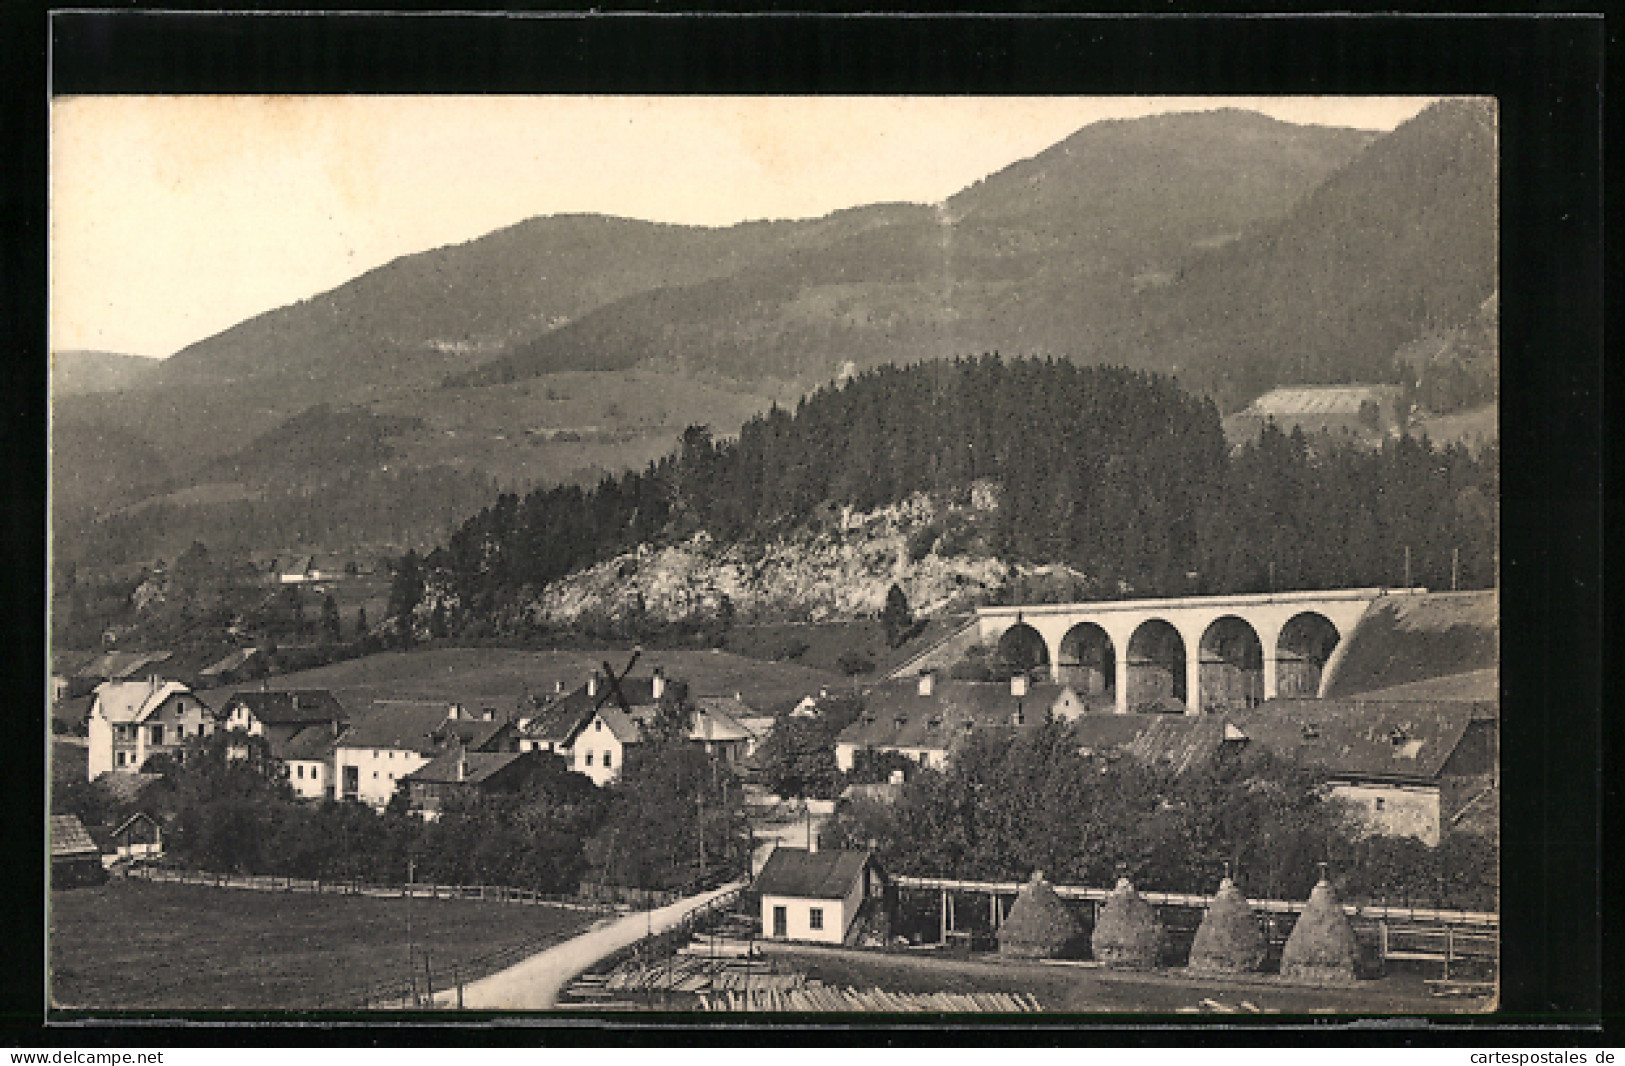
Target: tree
896 617
798 760
330 619
405 593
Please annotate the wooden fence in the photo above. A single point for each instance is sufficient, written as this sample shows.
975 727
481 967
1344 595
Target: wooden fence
414 890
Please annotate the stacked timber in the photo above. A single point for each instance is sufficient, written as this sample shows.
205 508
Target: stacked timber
1228 940
1039 925
1127 934
1321 949
824 999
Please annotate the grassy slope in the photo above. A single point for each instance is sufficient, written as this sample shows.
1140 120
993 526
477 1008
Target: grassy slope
828 642
499 676
133 945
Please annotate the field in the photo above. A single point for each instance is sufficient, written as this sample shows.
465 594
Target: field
1083 989
136 945
827 642
499 677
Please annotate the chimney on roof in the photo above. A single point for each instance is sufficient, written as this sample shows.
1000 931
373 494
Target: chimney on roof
488 714
1018 685
823 693
462 762
926 680
659 686
592 684
558 688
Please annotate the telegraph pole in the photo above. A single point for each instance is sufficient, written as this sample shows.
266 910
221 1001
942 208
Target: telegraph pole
1455 567
1407 566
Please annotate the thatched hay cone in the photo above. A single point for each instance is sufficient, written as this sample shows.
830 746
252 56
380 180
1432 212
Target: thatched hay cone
1228 940
1039 925
1321 949
1128 933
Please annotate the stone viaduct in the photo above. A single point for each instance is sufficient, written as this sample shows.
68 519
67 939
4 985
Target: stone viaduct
1204 652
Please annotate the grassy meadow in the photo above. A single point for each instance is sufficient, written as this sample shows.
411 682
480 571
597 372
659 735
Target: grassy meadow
499 677
137 945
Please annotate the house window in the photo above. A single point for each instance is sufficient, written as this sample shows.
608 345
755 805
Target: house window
597 726
300 773
157 735
606 760
815 918
121 758
1381 804
589 758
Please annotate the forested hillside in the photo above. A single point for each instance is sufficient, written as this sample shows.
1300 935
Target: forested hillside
1119 475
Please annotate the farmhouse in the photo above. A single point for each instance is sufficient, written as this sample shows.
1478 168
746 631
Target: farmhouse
83 677
133 720
816 895
383 746
926 719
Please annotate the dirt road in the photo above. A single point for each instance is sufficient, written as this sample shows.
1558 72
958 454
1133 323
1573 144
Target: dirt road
535 984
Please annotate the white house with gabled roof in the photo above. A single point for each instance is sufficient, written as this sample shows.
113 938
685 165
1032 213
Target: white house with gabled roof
131 721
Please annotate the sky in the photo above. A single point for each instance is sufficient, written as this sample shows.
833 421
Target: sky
173 218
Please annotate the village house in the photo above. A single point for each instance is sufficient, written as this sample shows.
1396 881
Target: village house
81 677
397 737
384 745
306 762
130 721
925 719
817 895
1408 766
595 734
278 716
458 771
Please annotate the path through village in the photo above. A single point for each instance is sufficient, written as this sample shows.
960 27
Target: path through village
535 984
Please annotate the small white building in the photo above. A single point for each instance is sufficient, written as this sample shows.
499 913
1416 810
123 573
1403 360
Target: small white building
816 895
131 721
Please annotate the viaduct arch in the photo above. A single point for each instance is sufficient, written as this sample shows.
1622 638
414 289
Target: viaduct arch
1202 653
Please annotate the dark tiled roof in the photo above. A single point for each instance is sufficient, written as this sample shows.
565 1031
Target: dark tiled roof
475 736
479 767
289 707
810 875
313 743
69 839
409 727
557 721
896 715
1398 740
119 665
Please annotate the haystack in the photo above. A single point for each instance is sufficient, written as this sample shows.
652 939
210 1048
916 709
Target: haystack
1039 926
1321 949
1128 933
1228 940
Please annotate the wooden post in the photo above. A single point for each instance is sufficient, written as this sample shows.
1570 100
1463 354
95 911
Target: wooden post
944 916
428 981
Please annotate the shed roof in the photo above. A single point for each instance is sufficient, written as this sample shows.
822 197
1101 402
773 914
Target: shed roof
69 838
811 875
231 662
119 665
125 702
